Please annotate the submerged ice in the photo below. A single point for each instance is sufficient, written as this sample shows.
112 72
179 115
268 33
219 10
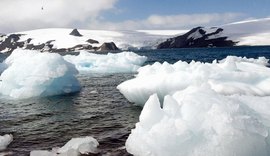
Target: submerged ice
31 74
74 147
233 75
124 62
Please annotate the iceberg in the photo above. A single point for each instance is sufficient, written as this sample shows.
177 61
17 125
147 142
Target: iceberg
74 147
197 109
232 75
31 74
198 121
5 140
124 62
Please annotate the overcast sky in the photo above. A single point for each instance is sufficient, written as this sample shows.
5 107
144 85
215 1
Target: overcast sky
20 15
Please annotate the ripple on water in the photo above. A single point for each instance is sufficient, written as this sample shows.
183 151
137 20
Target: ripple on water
99 110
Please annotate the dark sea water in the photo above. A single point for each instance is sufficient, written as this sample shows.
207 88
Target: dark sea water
99 110
204 54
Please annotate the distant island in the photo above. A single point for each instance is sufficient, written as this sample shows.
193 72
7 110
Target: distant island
197 38
247 33
14 41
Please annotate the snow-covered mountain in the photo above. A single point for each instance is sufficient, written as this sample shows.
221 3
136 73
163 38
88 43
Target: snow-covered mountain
198 37
61 40
57 40
251 32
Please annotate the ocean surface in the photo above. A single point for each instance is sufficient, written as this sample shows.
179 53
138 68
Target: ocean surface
99 110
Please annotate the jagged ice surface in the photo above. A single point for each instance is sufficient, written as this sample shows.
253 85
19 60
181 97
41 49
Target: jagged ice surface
198 121
215 109
124 62
233 75
31 74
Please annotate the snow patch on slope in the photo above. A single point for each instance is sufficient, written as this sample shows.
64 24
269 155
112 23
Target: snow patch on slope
195 35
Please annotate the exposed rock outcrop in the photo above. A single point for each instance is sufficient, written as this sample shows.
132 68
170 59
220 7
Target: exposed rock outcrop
13 41
10 42
75 32
91 41
198 37
107 46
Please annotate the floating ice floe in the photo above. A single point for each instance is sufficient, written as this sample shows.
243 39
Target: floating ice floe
233 75
75 147
125 62
31 74
5 140
198 121
220 108
27 73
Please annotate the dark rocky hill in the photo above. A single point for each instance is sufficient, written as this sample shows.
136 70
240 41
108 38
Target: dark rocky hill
198 37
